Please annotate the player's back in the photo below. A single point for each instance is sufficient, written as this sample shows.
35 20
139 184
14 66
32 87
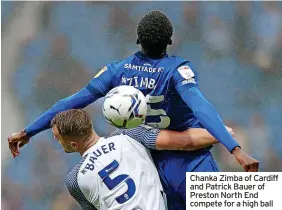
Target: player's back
154 77
161 81
118 173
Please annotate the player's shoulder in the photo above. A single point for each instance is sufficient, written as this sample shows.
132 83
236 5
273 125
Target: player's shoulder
72 175
178 61
71 179
185 67
120 63
77 181
116 138
179 58
183 61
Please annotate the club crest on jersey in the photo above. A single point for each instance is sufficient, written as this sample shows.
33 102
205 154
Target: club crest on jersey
186 72
101 71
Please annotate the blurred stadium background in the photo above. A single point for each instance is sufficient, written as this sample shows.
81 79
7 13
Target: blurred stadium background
52 49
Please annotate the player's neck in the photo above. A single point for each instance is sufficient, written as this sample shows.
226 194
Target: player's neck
154 55
89 142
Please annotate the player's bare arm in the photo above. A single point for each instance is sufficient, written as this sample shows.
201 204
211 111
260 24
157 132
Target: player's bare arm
198 138
157 139
189 140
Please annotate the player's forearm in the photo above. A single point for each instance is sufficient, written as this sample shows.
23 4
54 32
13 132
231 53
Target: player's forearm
77 101
189 140
156 139
208 117
198 138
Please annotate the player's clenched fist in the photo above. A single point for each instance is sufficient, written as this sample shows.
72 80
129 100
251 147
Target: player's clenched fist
16 141
247 162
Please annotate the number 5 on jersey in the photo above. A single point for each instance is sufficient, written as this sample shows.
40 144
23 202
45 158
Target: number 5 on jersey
164 119
112 183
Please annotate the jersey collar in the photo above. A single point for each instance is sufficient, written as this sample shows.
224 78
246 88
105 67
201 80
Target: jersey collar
142 55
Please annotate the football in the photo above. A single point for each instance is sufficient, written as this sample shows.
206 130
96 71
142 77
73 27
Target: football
125 107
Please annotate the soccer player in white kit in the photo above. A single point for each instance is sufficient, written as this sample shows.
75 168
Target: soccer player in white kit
115 173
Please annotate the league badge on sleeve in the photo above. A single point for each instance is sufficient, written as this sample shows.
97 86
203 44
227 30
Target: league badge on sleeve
186 72
101 71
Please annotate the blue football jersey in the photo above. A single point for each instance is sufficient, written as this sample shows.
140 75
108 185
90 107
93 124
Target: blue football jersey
160 80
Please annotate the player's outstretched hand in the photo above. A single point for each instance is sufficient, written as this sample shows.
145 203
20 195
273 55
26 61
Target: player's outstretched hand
247 162
16 141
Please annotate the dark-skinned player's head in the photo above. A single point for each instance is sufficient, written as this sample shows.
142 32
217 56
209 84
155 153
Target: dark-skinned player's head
154 33
72 128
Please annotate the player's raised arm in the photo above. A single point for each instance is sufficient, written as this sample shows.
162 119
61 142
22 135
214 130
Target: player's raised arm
189 140
96 88
186 85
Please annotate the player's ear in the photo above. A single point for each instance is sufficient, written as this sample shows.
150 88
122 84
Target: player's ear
169 42
137 41
74 145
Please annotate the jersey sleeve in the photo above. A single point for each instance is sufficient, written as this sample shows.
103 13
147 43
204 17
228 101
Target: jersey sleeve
101 84
79 100
145 135
96 88
80 187
185 77
187 86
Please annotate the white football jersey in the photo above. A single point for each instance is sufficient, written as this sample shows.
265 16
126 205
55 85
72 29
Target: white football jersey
117 173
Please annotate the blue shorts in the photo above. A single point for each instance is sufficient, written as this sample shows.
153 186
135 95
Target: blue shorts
172 168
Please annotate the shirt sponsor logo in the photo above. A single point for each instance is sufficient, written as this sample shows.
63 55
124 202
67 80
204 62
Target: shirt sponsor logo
145 68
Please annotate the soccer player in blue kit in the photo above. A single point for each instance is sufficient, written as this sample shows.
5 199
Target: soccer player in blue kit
174 103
